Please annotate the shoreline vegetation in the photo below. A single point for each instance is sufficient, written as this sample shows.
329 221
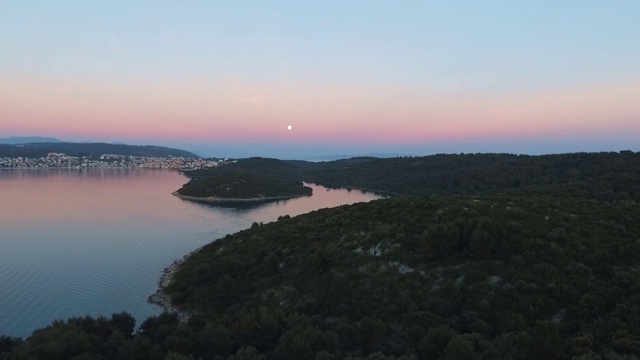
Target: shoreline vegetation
161 298
241 187
238 184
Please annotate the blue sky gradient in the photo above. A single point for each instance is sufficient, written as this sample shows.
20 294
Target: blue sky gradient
398 54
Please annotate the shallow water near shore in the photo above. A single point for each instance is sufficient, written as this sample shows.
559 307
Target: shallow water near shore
94 242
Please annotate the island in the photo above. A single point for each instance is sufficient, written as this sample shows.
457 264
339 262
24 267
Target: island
240 187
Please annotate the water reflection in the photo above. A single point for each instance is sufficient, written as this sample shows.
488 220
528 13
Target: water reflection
7 174
239 205
323 196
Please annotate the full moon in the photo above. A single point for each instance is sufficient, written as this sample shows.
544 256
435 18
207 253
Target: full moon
289 127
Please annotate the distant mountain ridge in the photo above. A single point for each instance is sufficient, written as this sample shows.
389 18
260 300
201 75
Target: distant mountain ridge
28 139
93 150
335 157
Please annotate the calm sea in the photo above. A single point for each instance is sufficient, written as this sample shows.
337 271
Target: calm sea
94 242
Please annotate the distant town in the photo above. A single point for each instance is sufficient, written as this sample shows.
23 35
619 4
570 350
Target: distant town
108 161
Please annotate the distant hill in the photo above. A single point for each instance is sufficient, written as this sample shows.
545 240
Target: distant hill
94 150
347 156
28 139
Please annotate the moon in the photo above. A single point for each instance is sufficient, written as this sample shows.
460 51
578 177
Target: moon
289 127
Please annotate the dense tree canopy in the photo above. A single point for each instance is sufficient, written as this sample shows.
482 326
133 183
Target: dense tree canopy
603 176
534 277
241 185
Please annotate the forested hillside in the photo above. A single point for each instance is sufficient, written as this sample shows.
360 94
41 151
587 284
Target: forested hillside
27 140
605 176
452 277
93 150
243 186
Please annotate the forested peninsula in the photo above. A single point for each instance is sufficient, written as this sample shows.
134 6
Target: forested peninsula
241 187
480 256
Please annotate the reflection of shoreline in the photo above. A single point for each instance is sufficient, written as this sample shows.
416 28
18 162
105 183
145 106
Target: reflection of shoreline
215 200
363 190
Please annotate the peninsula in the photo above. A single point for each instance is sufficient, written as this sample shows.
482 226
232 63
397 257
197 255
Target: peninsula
242 188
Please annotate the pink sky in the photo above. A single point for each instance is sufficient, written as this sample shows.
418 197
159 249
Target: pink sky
239 111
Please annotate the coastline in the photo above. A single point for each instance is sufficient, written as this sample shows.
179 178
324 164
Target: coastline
160 297
216 200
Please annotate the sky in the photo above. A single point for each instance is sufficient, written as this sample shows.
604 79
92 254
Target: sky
227 78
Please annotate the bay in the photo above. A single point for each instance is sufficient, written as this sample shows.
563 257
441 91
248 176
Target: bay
95 241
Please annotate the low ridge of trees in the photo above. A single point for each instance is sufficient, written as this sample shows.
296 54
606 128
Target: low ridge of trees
603 176
243 186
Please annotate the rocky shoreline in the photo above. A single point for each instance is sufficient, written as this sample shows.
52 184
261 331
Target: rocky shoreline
217 200
160 298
